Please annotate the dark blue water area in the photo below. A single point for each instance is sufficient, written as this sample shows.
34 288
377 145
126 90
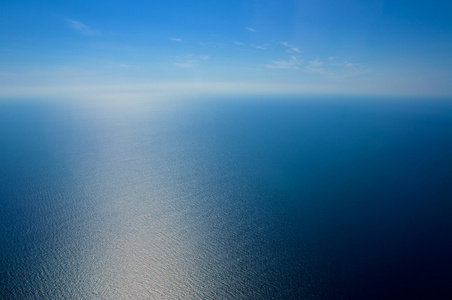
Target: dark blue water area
226 198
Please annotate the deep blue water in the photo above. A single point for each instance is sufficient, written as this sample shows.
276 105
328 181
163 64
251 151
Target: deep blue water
307 198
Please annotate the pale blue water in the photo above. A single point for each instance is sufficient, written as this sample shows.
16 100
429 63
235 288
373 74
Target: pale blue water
307 198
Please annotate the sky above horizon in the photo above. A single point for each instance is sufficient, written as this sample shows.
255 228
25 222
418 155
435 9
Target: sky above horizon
141 48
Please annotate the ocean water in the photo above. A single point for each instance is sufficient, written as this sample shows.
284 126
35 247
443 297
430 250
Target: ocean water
240 198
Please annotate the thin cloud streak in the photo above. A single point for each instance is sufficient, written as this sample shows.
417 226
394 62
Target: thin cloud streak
258 47
80 27
189 60
293 63
291 47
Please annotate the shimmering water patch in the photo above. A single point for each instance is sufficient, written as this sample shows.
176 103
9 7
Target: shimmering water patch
246 199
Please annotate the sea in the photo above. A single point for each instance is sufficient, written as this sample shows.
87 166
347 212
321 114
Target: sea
226 197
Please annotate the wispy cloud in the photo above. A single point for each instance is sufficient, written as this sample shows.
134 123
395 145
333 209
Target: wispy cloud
316 63
348 64
250 29
291 47
238 43
80 27
175 39
315 66
211 44
293 63
258 47
190 63
334 69
189 60
343 64
115 65
351 69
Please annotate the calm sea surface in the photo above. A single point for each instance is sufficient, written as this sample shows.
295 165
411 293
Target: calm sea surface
307 198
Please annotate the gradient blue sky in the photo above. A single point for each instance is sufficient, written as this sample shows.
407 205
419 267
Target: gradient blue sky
141 48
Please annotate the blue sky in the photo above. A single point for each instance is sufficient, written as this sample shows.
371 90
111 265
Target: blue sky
145 48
